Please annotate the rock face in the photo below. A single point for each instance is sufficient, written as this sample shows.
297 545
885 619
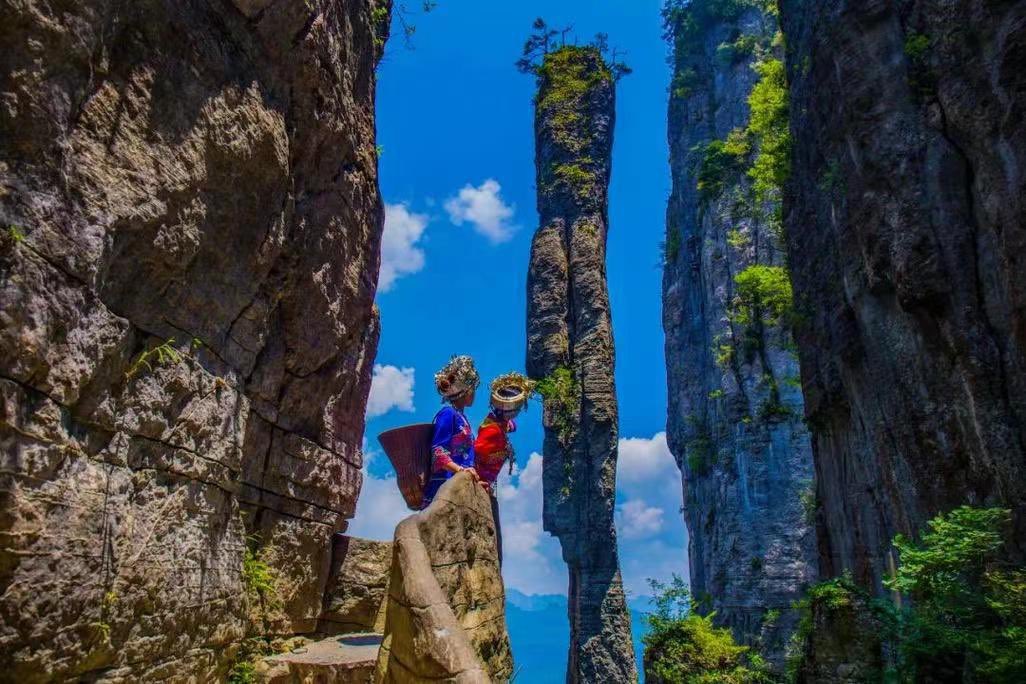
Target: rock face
570 343
354 600
735 406
191 239
905 226
906 236
446 612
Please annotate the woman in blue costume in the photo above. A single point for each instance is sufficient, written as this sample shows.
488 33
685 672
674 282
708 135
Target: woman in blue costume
452 443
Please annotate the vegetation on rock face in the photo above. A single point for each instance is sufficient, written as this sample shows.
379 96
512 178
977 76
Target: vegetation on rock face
163 354
965 614
684 646
561 394
568 75
769 126
968 606
763 295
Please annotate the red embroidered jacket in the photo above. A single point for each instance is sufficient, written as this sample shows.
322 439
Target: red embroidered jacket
492 447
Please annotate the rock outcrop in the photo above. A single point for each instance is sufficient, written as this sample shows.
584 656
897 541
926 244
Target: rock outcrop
354 599
570 348
191 229
735 407
446 607
906 235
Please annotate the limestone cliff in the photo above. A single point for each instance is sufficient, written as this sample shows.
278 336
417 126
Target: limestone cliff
445 617
191 228
735 407
570 347
905 225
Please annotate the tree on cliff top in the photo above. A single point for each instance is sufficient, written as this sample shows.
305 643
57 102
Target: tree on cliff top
545 40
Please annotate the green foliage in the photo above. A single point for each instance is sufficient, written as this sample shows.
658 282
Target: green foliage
671 248
839 593
968 608
162 354
763 293
543 42
683 646
768 124
720 161
723 351
15 234
738 50
916 46
771 617
738 239
242 672
684 83
574 177
699 449
257 575
561 394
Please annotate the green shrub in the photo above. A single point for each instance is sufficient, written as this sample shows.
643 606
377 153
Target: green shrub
164 353
807 499
683 646
242 672
763 293
684 83
561 394
916 45
720 162
968 608
768 124
671 248
257 575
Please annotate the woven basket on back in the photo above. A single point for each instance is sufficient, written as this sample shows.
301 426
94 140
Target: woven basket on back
409 450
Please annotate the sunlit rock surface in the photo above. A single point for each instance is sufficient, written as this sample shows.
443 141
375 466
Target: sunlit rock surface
445 618
200 177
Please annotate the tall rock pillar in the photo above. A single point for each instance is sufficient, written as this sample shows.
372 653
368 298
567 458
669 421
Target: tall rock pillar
570 345
735 409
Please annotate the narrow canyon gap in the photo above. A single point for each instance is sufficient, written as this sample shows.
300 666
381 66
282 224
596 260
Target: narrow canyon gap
570 347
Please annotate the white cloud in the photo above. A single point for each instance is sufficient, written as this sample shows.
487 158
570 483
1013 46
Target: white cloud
637 520
653 540
643 460
532 561
483 208
379 509
391 388
380 505
399 253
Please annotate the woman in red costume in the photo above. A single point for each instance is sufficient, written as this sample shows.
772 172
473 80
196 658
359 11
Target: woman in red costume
492 449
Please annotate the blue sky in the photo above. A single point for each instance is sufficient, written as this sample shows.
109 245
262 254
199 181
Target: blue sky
455 123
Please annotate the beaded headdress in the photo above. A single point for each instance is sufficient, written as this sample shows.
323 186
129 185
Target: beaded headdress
457 377
511 391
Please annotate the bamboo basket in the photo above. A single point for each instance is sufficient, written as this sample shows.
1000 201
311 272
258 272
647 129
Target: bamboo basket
409 450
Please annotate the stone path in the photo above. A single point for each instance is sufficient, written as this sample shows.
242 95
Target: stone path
344 659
